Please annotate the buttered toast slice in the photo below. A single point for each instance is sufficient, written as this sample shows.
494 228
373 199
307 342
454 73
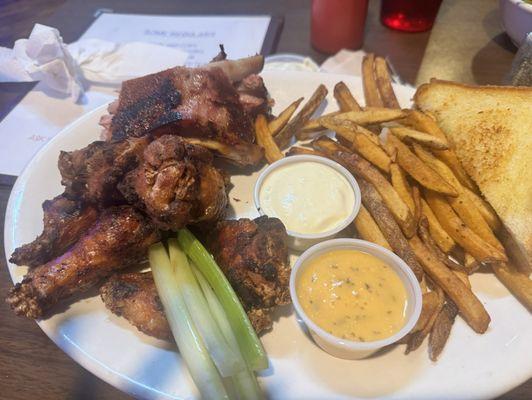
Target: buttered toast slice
490 128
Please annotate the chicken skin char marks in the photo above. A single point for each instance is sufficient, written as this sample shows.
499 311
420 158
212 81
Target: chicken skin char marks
253 256
176 184
134 297
200 103
119 238
65 221
92 173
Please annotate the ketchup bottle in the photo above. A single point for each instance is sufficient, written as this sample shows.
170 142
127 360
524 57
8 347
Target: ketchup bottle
337 24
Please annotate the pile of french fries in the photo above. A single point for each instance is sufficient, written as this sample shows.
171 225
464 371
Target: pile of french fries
417 199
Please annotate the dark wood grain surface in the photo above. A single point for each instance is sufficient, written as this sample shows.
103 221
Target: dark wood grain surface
31 366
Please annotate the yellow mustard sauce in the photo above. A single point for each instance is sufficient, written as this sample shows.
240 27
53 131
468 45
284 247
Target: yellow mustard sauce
352 295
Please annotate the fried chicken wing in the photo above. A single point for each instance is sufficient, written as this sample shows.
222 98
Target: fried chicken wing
252 254
91 174
134 297
63 224
176 184
254 257
120 237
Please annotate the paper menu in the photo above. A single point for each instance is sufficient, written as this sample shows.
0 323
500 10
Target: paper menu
199 36
39 117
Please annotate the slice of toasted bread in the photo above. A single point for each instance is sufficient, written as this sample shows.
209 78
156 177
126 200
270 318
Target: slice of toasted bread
490 128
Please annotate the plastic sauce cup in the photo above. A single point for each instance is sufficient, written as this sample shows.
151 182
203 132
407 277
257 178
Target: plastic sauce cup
301 241
349 349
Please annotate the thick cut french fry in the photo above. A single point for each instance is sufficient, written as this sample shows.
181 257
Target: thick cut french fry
391 231
296 151
427 239
517 283
360 142
345 98
474 220
468 304
464 277
280 122
457 229
442 329
416 339
428 306
347 128
371 152
368 229
440 236
470 264
485 209
424 123
409 135
314 125
465 204
369 115
401 186
418 170
301 118
416 195
437 165
371 91
362 168
265 140
384 83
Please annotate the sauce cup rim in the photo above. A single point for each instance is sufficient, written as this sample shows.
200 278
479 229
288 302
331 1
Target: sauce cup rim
360 245
322 160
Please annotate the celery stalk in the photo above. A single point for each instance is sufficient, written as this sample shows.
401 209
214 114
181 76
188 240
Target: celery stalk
245 382
248 342
191 347
222 354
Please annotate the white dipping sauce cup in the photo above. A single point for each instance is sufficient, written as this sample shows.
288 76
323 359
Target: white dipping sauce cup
349 349
301 241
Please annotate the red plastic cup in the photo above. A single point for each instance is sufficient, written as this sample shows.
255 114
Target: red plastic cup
337 24
409 15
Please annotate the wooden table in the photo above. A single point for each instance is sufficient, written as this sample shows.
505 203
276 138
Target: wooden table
30 364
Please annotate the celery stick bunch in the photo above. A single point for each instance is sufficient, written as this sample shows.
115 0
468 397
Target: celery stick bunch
210 327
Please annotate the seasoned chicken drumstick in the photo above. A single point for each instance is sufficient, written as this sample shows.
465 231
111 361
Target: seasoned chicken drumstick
64 222
120 237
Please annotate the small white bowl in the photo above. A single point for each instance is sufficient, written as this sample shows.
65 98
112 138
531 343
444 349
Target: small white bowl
516 19
302 241
348 349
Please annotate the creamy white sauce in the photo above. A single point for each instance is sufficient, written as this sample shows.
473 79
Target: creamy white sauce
309 197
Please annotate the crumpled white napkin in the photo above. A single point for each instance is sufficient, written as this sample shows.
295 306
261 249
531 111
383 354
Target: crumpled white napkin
350 62
69 69
344 62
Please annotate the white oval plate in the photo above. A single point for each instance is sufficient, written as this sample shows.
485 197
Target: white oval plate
471 366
